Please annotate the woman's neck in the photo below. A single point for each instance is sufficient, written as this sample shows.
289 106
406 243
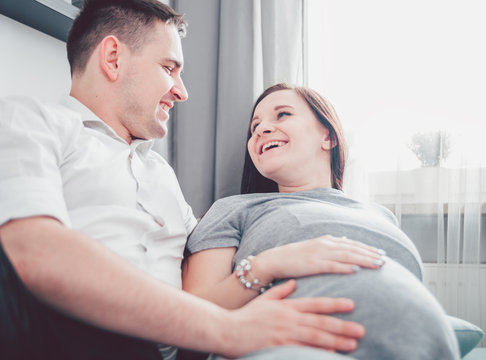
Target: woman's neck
288 188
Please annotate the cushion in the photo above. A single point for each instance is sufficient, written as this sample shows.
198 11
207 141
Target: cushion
467 334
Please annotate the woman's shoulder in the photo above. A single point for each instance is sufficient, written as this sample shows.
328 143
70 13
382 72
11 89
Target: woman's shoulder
238 206
369 206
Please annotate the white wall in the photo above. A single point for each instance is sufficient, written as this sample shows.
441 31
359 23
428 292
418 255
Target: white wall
32 63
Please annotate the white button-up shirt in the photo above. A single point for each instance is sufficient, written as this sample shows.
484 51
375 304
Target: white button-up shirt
63 161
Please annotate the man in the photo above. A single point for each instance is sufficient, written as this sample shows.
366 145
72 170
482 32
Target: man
83 199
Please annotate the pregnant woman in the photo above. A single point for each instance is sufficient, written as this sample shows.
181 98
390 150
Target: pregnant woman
291 192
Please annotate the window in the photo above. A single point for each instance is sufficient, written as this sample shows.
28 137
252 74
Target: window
393 69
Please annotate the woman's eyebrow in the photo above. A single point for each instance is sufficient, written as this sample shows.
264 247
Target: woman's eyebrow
278 107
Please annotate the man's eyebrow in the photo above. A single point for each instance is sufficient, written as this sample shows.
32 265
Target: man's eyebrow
176 63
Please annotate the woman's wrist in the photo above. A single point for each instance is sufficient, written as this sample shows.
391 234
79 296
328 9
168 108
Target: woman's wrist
243 272
261 267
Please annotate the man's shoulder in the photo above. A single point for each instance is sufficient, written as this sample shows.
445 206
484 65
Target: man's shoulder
156 156
27 102
27 110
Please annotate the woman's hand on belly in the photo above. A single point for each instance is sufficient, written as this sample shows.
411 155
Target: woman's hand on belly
323 255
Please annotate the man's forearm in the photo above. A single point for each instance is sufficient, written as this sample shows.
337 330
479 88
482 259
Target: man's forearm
80 277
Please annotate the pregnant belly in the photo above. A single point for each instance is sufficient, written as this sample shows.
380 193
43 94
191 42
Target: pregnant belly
402 318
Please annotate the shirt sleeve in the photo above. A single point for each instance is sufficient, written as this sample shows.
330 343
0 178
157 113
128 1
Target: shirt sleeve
189 219
31 152
219 227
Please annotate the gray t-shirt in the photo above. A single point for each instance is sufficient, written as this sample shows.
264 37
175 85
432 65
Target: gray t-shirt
403 320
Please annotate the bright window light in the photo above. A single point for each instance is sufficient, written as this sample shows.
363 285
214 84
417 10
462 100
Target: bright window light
394 68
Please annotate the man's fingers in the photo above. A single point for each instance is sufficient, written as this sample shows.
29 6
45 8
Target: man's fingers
325 340
280 291
329 332
312 310
321 305
333 325
301 321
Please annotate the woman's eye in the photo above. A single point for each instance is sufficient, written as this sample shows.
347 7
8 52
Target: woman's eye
282 114
253 127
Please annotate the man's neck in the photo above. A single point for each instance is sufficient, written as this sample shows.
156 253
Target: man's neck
100 101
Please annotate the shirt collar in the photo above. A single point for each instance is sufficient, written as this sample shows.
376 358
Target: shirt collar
91 121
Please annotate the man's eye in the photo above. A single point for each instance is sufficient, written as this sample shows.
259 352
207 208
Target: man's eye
282 114
168 69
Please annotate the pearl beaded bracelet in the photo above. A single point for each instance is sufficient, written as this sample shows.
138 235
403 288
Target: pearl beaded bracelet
243 269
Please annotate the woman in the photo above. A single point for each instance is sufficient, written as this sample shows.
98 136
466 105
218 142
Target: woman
292 183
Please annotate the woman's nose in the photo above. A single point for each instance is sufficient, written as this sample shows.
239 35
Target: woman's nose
265 127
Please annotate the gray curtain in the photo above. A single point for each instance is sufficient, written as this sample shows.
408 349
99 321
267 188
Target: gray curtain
233 49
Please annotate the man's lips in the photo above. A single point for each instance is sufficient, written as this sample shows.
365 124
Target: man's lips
166 106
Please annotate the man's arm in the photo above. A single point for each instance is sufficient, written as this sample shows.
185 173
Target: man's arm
80 277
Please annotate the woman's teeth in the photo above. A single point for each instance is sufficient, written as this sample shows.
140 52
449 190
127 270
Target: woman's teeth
271 145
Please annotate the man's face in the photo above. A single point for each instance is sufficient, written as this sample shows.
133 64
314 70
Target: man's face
151 83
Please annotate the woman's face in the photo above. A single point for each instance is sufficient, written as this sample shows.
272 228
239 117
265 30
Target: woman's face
288 144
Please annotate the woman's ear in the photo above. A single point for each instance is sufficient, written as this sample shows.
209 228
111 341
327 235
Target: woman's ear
110 57
327 143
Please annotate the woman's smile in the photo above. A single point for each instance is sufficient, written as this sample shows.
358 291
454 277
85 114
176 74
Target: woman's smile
272 145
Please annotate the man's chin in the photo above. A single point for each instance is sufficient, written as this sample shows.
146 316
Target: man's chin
162 130
153 135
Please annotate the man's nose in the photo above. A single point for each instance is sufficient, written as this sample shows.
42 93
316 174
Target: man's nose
179 91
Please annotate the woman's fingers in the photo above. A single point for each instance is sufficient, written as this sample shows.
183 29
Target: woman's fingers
325 254
346 262
340 254
353 245
334 267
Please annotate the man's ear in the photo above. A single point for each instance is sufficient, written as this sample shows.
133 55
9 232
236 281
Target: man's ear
110 56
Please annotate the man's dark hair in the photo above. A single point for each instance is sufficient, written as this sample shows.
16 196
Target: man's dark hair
128 20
